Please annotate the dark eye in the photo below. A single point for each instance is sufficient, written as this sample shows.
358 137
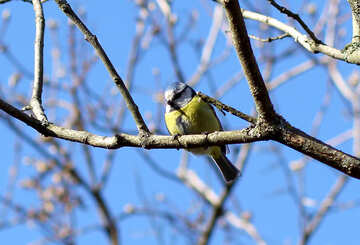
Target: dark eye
176 96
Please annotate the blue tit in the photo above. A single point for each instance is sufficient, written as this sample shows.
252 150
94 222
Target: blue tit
187 113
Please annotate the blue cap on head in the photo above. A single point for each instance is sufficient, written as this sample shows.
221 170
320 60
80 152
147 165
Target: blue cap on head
177 87
177 95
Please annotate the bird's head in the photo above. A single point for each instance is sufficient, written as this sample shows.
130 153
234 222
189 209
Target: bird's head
177 95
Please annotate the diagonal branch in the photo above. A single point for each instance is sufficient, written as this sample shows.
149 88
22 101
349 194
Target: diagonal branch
325 206
244 224
92 39
207 51
218 211
297 18
310 146
246 56
222 107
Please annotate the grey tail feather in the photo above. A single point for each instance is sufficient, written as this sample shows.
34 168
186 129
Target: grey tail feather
227 169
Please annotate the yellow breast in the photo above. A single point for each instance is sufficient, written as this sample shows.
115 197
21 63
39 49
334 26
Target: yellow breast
199 117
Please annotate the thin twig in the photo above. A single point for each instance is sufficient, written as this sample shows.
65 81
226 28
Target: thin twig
208 48
35 102
295 71
191 179
270 39
297 18
223 107
245 225
324 209
171 43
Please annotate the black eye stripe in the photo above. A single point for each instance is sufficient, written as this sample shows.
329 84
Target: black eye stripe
177 95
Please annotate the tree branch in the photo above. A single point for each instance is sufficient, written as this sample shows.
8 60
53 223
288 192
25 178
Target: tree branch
247 135
92 39
300 38
35 102
245 225
282 132
324 208
208 48
269 39
297 18
355 10
246 56
300 141
222 107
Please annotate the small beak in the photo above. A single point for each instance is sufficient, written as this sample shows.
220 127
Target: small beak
176 107
172 104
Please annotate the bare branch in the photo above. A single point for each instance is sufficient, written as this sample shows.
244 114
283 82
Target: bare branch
300 38
355 10
35 102
65 7
246 226
227 108
318 150
282 132
207 51
269 39
296 70
195 183
297 18
324 209
5 1
151 142
246 56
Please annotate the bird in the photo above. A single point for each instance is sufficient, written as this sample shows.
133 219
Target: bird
186 113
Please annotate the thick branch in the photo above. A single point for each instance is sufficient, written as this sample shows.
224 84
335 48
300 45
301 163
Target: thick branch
282 132
247 135
65 7
244 51
300 141
355 9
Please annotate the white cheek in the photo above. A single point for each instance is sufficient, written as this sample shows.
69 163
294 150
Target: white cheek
167 108
168 95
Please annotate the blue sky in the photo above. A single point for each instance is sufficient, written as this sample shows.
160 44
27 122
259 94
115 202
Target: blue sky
262 188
